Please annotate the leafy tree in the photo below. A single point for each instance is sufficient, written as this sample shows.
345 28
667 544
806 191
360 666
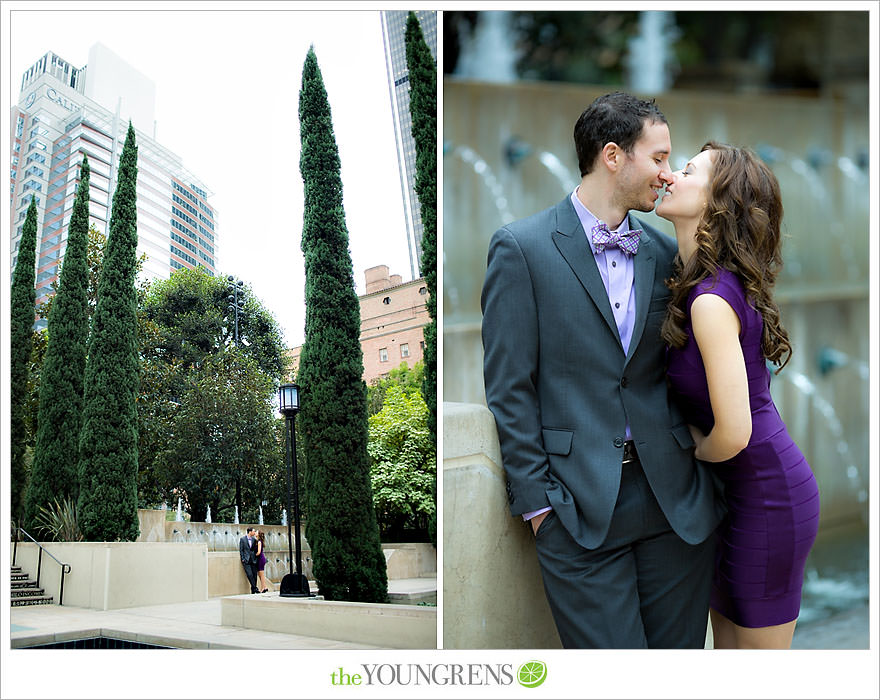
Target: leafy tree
184 324
108 463
54 471
581 47
409 379
423 109
21 324
404 462
348 562
224 435
190 312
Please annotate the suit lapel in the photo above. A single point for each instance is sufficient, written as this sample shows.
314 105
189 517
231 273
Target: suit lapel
644 266
571 241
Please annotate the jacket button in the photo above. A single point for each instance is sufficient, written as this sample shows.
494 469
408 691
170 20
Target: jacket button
618 442
623 382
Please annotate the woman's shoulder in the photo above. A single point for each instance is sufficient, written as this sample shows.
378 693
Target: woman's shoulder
722 282
725 284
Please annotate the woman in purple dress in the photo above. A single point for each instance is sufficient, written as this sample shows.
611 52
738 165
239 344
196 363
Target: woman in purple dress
261 561
722 328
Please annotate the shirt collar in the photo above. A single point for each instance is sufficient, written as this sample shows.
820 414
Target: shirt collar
588 219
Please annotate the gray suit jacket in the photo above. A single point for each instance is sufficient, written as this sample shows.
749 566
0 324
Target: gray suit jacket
247 552
562 389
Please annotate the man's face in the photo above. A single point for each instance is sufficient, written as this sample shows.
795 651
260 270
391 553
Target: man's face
646 170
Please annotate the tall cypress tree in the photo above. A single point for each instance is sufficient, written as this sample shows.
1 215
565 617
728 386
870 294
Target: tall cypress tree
423 110
21 325
54 471
341 528
108 456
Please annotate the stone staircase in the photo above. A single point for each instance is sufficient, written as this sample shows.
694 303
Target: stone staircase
24 591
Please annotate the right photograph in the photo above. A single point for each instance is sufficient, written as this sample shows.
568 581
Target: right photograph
656 330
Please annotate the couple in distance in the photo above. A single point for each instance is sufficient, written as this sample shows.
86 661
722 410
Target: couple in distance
252 552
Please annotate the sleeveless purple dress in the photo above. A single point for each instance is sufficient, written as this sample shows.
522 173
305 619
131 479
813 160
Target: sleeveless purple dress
261 560
772 497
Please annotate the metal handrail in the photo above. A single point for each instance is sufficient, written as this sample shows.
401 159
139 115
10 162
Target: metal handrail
65 568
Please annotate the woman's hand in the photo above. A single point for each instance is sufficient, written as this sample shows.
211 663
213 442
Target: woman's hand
697 435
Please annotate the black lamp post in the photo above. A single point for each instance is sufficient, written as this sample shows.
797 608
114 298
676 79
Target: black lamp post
293 584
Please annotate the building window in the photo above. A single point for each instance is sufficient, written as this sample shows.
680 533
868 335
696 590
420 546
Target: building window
386 300
422 346
383 354
423 290
404 349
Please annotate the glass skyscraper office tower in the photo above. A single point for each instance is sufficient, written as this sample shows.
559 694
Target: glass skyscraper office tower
64 112
393 31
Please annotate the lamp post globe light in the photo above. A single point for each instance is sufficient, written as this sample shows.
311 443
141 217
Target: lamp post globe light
293 584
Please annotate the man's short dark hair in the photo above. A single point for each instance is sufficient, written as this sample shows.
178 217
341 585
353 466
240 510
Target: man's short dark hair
616 117
250 529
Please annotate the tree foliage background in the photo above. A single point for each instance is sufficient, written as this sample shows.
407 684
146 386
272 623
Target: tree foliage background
803 51
223 445
403 470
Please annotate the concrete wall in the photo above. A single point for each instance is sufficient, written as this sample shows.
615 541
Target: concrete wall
410 560
225 575
380 625
112 575
493 596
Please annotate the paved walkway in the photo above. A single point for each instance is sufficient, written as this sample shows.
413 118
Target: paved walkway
197 626
181 625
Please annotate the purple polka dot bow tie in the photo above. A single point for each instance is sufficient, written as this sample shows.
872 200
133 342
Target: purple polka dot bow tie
627 241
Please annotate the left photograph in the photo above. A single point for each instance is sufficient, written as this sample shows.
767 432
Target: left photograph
222 289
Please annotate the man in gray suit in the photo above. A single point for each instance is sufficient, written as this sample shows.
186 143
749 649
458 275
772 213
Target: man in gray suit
597 458
247 552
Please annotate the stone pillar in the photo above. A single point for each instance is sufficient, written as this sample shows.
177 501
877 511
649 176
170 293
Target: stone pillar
493 596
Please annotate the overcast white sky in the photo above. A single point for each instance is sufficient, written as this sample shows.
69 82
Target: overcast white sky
227 96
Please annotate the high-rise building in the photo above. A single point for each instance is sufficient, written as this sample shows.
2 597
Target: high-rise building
393 31
64 112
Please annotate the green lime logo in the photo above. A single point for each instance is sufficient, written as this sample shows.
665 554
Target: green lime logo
531 674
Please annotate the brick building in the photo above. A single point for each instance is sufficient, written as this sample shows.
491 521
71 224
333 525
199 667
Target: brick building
393 316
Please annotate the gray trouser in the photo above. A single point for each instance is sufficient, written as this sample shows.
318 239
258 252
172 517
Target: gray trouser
250 570
644 587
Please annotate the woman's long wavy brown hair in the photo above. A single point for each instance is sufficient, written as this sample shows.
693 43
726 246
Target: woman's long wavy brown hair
739 231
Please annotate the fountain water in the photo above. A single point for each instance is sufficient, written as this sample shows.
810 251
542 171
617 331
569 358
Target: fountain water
179 509
489 53
651 60
261 515
208 515
284 516
846 463
487 177
236 515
